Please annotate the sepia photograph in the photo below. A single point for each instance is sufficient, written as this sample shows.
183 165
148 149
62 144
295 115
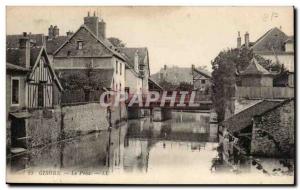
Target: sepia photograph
150 95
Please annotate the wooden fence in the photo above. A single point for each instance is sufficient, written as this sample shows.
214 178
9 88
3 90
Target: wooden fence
264 92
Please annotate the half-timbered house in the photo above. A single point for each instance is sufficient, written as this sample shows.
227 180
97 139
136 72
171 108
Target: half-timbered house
31 84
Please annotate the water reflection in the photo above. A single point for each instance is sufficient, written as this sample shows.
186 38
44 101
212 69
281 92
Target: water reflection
187 142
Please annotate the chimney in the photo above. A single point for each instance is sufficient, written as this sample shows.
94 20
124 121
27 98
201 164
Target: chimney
247 40
50 32
69 34
193 66
92 23
165 67
24 45
102 29
136 61
55 31
239 40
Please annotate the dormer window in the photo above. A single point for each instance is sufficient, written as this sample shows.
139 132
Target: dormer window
79 44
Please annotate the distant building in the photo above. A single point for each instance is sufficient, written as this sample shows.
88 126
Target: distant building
174 75
201 82
154 86
276 46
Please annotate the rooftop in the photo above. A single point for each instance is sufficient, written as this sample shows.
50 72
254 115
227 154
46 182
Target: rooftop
243 119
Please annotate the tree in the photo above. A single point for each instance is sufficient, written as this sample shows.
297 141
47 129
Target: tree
167 85
185 86
116 42
225 67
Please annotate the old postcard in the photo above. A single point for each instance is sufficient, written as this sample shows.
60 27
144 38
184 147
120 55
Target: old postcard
150 95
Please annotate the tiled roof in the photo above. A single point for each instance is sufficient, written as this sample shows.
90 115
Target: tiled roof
12 41
130 54
203 72
255 68
112 50
278 105
174 75
53 44
273 40
243 119
290 39
13 55
154 84
13 67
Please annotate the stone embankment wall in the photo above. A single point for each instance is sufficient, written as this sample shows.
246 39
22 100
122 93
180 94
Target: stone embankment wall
273 132
82 119
48 126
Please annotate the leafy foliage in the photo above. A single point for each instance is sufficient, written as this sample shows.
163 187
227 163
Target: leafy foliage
167 85
185 86
116 42
225 67
85 79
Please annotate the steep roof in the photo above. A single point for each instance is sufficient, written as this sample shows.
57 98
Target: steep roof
278 105
255 68
13 58
155 84
13 55
111 49
12 41
175 75
53 44
203 72
243 119
130 55
272 40
13 67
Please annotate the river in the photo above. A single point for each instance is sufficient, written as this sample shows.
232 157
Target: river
180 150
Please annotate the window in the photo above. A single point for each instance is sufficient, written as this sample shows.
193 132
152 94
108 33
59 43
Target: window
40 95
202 81
116 67
79 44
15 85
120 68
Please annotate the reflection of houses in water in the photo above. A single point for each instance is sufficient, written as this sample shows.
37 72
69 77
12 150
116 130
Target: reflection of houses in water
142 135
138 143
115 148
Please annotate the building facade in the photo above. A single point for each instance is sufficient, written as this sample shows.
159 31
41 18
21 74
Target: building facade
276 46
88 48
137 69
201 83
255 75
31 85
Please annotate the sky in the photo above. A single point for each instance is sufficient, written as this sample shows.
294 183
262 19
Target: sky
174 36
